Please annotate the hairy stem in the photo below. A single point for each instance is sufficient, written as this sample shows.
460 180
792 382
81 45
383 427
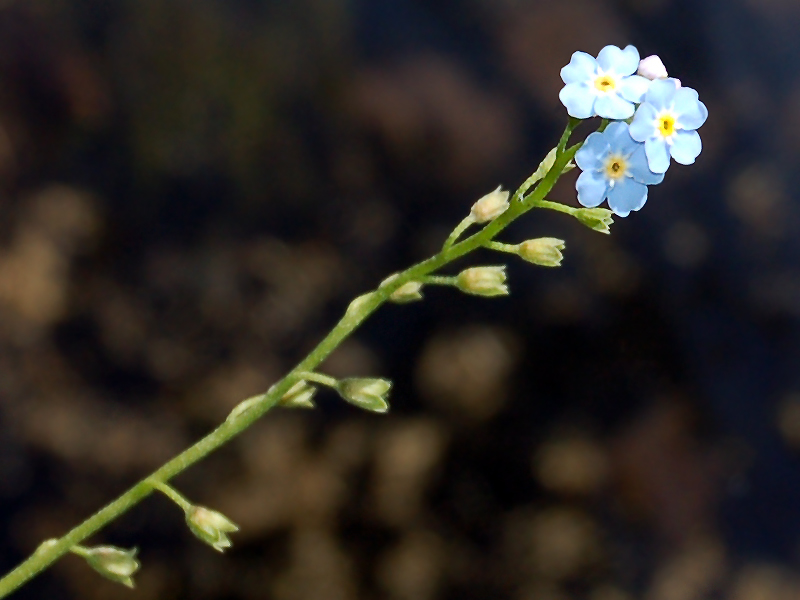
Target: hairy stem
359 310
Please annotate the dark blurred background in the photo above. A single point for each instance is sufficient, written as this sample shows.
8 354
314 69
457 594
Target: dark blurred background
191 191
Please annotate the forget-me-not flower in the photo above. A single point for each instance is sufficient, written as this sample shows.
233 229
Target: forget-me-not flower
666 122
614 167
604 87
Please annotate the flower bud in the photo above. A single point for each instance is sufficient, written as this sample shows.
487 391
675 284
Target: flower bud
652 68
598 219
483 281
408 292
545 252
299 396
112 563
210 526
365 392
491 206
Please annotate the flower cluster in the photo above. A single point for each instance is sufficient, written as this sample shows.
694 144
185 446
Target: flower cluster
655 121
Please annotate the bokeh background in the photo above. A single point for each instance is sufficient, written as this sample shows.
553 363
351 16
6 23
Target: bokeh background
191 191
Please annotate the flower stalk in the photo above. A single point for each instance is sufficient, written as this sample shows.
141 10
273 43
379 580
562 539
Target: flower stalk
240 420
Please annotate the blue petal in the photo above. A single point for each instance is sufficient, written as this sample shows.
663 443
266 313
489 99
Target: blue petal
627 195
657 154
621 138
581 67
592 188
622 62
642 125
691 112
579 100
640 170
629 63
589 157
634 88
686 146
660 93
611 106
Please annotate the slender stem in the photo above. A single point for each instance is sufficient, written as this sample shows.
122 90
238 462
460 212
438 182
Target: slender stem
501 247
562 143
460 228
319 378
80 550
438 280
359 310
173 494
570 210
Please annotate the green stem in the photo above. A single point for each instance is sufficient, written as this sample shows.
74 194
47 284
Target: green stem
460 228
319 378
173 494
438 280
501 247
555 206
359 310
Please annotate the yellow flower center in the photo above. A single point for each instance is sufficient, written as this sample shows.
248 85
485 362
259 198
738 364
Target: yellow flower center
616 167
666 125
605 83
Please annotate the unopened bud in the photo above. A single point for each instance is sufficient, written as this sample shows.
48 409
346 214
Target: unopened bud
545 252
652 68
491 206
408 292
211 526
365 392
483 281
299 396
598 219
112 563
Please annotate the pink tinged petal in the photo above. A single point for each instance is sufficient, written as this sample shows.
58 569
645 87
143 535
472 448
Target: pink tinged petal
610 57
579 100
642 126
591 189
633 88
581 67
626 196
657 155
686 146
652 68
611 106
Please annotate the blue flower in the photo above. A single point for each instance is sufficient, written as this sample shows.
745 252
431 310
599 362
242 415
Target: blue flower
605 87
614 167
666 122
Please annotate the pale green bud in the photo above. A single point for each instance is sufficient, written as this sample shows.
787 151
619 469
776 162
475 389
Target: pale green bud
408 292
545 166
211 527
542 251
490 206
598 219
483 281
113 563
299 396
365 392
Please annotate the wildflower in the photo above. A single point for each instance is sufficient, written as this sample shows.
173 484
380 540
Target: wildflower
545 252
483 281
111 562
606 86
299 396
598 219
614 167
408 292
666 122
365 392
210 526
490 206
